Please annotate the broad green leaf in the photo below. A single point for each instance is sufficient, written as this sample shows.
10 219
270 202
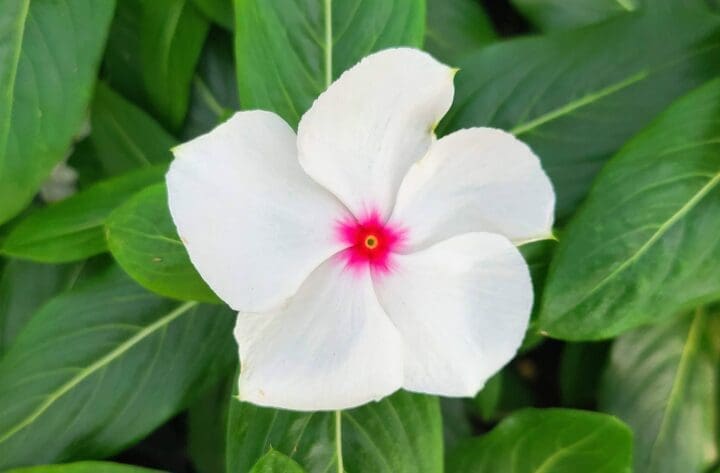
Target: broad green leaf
553 15
101 366
219 11
488 399
49 55
275 462
84 467
122 67
124 136
581 367
142 238
214 90
548 440
456 28
402 433
575 97
663 382
172 34
24 287
207 425
288 51
646 242
73 229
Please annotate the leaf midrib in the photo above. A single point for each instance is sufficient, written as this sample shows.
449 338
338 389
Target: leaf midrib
100 363
659 233
11 86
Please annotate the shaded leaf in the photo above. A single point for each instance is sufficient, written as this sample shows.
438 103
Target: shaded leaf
548 440
401 433
581 367
275 462
73 229
456 28
575 97
285 72
84 467
101 366
663 382
647 240
207 425
142 238
219 11
124 136
48 64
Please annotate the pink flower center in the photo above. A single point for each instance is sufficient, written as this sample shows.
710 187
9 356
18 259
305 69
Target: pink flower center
371 242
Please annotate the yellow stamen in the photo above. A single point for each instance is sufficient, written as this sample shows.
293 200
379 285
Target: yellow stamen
371 242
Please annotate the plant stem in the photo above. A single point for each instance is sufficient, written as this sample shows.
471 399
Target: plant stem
338 441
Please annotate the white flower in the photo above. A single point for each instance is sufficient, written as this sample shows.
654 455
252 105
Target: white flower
363 254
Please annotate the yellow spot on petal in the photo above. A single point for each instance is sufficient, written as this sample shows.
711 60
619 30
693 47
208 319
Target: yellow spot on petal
371 242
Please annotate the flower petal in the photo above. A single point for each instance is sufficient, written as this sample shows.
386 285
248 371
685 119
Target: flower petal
363 133
476 180
255 225
462 307
332 347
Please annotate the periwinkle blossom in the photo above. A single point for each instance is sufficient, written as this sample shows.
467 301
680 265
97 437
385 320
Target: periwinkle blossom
363 254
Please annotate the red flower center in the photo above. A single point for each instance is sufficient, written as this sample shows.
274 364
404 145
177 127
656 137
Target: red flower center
370 242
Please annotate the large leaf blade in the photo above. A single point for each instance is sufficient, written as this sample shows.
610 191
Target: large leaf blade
646 242
663 382
284 73
101 366
47 35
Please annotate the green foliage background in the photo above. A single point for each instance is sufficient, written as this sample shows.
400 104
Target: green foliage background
116 357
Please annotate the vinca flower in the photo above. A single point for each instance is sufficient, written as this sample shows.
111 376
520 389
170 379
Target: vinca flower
363 254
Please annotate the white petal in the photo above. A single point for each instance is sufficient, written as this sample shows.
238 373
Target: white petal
255 225
363 133
462 307
476 180
332 347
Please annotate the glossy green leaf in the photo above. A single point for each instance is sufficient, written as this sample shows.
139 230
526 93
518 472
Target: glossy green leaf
219 11
101 366
84 467
275 462
456 28
553 15
124 136
207 425
402 433
49 55
548 440
663 382
24 287
73 229
142 238
172 34
214 90
575 97
284 72
647 241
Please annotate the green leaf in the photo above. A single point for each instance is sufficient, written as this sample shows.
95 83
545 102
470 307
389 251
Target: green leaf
402 433
575 97
124 136
73 229
663 381
24 287
99 367
548 440
553 15
142 238
172 34
122 68
207 424
456 28
581 367
647 240
488 399
84 467
214 91
49 55
275 462
219 11
284 72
